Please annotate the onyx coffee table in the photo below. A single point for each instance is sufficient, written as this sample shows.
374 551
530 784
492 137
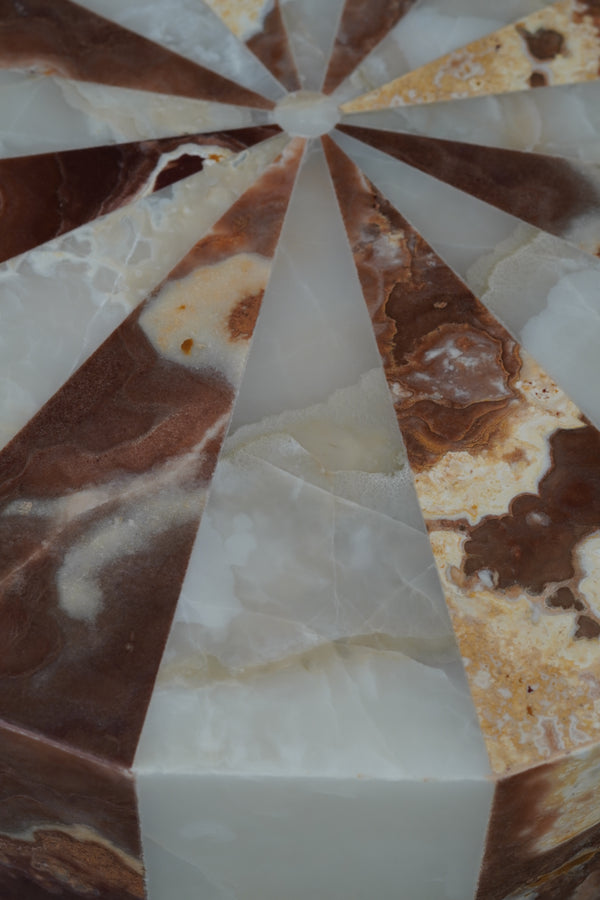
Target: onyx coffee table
300 478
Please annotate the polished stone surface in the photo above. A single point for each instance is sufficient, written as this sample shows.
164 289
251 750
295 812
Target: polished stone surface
559 44
508 476
109 478
306 114
362 26
557 195
342 680
68 824
44 196
70 41
259 24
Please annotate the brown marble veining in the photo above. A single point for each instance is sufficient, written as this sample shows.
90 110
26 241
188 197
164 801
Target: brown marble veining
543 839
557 195
272 47
363 25
438 410
101 493
507 471
46 195
65 39
68 824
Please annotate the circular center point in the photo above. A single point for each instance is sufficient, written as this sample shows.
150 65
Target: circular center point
307 114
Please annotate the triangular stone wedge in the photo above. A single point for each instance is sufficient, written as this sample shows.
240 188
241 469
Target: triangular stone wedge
49 194
59 302
73 811
552 193
546 821
363 25
559 44
63 38
102 492
507 472
260 26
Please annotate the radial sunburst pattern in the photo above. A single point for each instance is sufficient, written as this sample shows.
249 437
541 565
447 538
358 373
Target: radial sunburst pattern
300 478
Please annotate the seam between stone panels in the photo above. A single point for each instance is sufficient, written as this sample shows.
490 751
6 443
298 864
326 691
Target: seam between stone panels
68 749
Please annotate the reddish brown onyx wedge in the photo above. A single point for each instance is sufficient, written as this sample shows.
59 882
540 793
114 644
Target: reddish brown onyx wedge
363 25
68 824
62 38
44 196
259 24
544 833
555 194
102 492
272 47
507 472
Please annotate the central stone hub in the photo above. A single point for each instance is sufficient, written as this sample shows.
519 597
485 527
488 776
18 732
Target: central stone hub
307 114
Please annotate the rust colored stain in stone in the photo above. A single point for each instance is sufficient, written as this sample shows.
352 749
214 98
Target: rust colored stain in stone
515 456
272 47
243 318
65 39
588 9
533 544
450 365
187 345
543 44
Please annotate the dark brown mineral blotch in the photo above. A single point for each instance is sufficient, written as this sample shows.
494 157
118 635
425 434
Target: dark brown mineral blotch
544 44
534 544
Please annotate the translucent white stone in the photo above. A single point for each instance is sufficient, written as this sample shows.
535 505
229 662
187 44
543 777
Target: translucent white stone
190 28
313 334
61 301
311 25
307 114
563 120
42 113
429 30
459 227
311 733
243 838
557 316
